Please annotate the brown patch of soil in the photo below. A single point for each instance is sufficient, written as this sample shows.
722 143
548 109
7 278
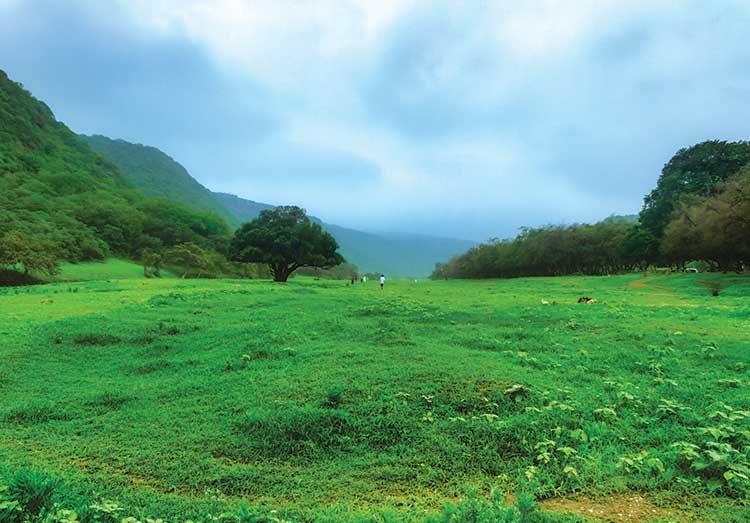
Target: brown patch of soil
616 508
645 283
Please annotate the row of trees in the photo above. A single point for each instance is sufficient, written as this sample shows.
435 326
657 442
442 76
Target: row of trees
699 211
714 229
547 251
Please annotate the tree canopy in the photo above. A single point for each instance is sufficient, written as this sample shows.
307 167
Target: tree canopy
696 170
553 250
285 239
714 229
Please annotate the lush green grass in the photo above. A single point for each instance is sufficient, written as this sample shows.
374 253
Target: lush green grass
334 403
110 269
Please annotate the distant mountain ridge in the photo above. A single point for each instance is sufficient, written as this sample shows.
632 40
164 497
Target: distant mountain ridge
400 255
156 173
241 209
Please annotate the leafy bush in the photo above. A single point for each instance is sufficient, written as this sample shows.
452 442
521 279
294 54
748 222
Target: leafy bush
494 509
34 493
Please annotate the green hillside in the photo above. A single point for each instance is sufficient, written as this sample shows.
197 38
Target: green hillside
45 173
157 174
60 200
242 210
109 269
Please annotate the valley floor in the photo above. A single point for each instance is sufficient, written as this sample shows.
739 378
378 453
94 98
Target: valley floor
326 402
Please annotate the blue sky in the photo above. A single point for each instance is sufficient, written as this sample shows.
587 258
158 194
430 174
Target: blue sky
463 119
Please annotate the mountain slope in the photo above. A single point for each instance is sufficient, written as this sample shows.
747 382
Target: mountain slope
61 200
241 209
157 174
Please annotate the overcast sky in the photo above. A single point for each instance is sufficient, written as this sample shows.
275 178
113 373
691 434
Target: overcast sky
464 119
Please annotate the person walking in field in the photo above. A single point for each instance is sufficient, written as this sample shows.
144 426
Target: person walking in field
382 281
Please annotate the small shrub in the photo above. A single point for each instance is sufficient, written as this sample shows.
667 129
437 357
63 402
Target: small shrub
494 509
298 432
33 492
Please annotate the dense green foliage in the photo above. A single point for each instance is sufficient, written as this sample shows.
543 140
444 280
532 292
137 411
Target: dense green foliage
332 403
59 200
696 170
157 174
698 212
285 239
715 228
547 251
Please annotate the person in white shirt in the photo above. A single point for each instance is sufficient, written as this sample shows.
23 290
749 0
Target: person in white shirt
382 280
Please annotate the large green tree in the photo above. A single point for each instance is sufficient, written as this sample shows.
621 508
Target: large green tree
32 254
696 170
285 239
715 229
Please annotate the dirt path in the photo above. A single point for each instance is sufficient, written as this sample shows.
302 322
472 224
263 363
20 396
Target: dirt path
616 508
645 284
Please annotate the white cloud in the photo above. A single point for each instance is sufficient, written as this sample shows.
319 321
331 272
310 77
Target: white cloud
477 116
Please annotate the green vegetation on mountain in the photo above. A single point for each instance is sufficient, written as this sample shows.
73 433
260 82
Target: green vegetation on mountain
59 200
155 173
242 210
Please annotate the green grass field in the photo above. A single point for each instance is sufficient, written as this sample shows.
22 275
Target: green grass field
110 269
316 401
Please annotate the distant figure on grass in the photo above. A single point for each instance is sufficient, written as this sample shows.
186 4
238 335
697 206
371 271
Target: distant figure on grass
382 281
364 279
354 279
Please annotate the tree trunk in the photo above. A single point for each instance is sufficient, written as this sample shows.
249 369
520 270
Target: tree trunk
280 272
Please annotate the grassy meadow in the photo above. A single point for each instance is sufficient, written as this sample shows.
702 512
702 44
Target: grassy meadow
318 401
